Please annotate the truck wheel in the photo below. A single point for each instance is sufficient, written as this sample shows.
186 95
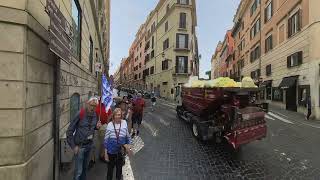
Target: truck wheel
196 131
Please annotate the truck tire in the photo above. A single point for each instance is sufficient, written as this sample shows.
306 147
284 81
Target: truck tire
196 132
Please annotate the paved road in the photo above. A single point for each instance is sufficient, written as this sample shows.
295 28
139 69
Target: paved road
167 150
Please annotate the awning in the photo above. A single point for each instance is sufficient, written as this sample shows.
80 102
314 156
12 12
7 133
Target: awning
288 82
266 83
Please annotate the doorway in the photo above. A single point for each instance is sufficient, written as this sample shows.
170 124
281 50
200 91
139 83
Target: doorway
291 98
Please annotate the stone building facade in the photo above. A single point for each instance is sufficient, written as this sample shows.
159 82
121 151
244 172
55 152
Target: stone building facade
40 92
276 43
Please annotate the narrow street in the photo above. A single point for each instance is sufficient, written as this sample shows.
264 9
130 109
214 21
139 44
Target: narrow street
166 149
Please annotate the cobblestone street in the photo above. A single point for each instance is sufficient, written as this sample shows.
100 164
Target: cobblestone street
166 149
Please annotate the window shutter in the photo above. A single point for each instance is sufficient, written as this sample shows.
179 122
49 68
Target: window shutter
289 28
265 14
299 14
188 2
185 64
288 61
177 63
177 41
271 8
187 41
271 42
300 57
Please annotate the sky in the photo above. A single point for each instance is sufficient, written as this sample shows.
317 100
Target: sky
214 19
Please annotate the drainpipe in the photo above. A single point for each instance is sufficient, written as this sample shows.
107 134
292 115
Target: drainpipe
56 122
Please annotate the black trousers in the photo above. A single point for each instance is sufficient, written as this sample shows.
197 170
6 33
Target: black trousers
114 161
309 113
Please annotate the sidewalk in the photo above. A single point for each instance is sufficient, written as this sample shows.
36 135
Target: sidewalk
292 115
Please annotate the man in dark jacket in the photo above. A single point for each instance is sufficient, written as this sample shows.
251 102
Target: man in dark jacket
308 107
80 136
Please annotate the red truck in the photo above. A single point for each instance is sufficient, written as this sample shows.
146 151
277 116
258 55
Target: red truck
229 113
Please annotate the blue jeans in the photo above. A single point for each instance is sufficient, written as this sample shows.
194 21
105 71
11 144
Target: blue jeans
81 163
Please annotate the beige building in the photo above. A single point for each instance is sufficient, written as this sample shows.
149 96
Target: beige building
137 50
215 61
171 53
42 89
277 44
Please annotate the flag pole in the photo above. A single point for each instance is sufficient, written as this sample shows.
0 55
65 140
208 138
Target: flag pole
101 86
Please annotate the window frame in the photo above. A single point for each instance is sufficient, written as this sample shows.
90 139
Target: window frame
186 41
269 70
269 41
266 10
185 68
79 32
166 44
299 59
166 26
183 20
186 2
296 18
90 54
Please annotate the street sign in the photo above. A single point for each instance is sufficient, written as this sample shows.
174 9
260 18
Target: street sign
60 33
98 67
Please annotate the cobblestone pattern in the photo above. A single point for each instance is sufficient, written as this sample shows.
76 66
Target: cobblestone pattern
174 154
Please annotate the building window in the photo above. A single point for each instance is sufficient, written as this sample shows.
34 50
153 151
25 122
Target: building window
183 21
164 83
268 70
295 59
152 54
76 25
165 64
168 8
147 46
166 26
255 54
241 45
147 57
268 11
135 76
74 105
139 65
90 54
140 54
254 6
182 64
166 44
182 41
185 2
152 42
255 74
139 75
153 27
152 70
268 44
294 24
255 29
277 94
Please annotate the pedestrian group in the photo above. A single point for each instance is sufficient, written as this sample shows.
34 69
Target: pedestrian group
117 127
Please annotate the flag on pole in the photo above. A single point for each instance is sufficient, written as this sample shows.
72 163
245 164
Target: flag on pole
107 99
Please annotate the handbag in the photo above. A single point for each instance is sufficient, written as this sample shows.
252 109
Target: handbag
122 153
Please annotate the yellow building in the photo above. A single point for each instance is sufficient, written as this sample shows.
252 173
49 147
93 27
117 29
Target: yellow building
171 52
48 49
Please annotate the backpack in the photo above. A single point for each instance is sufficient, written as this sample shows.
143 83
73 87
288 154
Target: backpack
138 105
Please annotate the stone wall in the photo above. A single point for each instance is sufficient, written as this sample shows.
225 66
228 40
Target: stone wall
26 86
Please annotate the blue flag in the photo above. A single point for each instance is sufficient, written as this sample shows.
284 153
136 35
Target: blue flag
106 99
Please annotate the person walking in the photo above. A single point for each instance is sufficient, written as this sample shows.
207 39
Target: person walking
308 107
80 136
117 141
153 101
138 107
